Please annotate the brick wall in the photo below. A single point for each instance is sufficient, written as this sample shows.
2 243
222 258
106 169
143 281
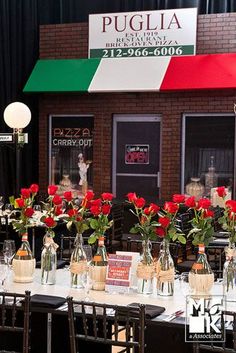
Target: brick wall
216 33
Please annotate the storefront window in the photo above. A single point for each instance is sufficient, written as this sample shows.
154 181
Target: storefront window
71 153
208 152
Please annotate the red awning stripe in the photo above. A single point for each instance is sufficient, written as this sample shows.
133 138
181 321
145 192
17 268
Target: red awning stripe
211 71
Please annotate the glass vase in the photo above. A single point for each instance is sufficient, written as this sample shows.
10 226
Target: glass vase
23 263
165 270
201 277
229 273
98 268
48 260
78 263
145 270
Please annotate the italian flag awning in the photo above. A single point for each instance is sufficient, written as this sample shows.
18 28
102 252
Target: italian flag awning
146 74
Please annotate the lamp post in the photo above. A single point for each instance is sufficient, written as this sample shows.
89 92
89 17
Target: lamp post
17 116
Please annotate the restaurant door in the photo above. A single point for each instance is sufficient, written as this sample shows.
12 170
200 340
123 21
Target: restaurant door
136 156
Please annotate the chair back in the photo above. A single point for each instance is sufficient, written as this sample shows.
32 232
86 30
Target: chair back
115 233
15 319
103 323
228 323
66 247
4 231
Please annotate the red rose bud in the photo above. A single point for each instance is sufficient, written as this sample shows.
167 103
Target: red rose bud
154 208
143 220
58 210
106 209
160 232
49 221
131 196
95 210
68 196
171 207
57 200
25 193
190 202
147 211
20 202
221 191
139 202
208 214
231 204
204 203
71 212
29 212
164 221
89 195
178 198
107 196
79 218
34 188
97 202
52 189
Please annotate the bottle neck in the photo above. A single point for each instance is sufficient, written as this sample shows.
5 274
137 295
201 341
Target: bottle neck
201 249
24 237
101 241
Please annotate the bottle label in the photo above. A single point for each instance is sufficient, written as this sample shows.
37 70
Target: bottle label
201 248
25 237
101 241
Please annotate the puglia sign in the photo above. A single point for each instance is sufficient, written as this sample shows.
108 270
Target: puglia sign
146 33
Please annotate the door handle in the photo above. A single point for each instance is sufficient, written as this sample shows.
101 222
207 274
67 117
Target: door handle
158 179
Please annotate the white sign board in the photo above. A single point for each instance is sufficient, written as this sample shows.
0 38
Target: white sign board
146 33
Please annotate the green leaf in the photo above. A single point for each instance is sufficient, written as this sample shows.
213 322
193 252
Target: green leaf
92 239
94 223
134 230
182 239
69 225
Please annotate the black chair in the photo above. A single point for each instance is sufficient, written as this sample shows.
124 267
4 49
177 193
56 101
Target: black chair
66 247
229 346
4 229
136 245
15 319
114 235
102 323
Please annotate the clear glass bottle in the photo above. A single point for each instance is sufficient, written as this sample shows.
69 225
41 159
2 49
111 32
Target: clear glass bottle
145 270
165 270
229 273
48 260
201 277
23 263
78 263
98 269
211 178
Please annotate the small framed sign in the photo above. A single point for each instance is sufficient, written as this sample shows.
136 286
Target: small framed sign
118 273
136 154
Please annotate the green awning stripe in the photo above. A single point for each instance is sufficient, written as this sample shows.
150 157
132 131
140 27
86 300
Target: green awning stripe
69 75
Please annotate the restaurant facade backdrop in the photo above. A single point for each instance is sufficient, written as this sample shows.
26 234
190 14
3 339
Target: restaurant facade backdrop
149 141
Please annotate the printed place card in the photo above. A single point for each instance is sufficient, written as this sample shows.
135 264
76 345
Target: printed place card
118 273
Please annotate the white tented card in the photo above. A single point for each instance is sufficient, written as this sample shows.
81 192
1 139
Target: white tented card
118 273
135 261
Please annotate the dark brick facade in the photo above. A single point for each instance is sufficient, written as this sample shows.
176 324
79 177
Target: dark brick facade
216 34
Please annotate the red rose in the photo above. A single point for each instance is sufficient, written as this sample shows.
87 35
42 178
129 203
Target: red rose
95 210
131 196
154 208
68 196
20 202
164 221
106 209
52 189
139 202
208 214
232 205
57 200
49 221
147 211
58 210
178 198
71 212
97 202
171 207
107 196
34 188
221 191
160 232
190 202
79 218
89 195
25 193
29 212
204 203
143 220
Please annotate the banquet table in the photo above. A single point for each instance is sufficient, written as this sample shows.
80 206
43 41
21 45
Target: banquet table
50 327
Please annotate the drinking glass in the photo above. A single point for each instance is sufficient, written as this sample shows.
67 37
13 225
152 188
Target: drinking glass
87 284
9 249
184 284
3 274
8 209
88 252
1 204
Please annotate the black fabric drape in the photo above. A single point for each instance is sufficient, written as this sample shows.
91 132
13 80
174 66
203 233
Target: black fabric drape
19 45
